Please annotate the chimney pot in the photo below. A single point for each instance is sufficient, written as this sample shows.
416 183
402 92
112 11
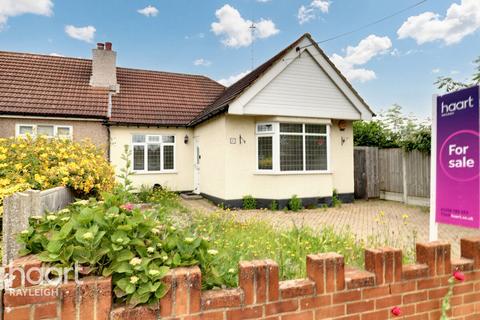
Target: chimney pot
100 46
108 46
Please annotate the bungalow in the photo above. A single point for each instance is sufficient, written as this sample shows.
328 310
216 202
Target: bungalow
284 129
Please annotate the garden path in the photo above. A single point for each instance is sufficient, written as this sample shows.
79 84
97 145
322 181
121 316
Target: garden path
398 222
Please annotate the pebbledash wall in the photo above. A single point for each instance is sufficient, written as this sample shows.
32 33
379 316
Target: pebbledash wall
330 291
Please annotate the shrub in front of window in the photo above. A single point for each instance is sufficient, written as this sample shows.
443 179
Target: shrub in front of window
41 163
249 203
274 205
336 202
112 238
295 204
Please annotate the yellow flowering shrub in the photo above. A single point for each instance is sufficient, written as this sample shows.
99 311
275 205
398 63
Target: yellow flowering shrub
41 163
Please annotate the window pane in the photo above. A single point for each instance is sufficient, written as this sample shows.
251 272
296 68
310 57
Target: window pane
168 158
45 131
266 127
25 130
291 127
63 131
138 138
316 152
316 128
153 138
153 157
291 153
138 157
168 139
265 154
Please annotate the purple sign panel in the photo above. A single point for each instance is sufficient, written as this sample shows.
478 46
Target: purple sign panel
458 158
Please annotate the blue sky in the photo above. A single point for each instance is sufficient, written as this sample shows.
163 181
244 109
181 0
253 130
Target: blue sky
395 61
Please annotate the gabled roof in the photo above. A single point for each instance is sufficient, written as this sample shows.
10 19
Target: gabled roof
32 84
41 85
235 90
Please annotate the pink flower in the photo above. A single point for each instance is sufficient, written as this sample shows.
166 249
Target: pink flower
127 206
458 275
396 311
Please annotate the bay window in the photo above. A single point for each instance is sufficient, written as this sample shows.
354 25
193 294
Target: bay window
292 147
153 153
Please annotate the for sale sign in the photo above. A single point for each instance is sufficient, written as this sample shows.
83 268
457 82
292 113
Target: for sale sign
457 180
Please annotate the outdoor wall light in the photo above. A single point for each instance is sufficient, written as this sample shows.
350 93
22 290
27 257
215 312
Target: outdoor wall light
342 125
185 139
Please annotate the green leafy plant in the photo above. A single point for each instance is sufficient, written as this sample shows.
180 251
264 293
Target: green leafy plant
336 202
274 205
249 202
114 238
125 188
393 129
144 193
295 204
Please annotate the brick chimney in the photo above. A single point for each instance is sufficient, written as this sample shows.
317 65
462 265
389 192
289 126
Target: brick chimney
104 67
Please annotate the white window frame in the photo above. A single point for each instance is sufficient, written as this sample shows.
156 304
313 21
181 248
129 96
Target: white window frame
145 150
34 130
275 134
274 139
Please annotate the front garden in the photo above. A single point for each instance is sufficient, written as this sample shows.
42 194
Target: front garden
137 236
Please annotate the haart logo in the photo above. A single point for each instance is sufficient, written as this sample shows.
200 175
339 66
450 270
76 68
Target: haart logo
449 109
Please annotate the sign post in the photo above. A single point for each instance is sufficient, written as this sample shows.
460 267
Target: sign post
455 178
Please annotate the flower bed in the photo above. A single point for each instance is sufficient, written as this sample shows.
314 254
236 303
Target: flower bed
41 163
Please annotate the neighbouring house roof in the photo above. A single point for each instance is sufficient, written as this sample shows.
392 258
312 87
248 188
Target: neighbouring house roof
32 84
161 98
41 85
235 90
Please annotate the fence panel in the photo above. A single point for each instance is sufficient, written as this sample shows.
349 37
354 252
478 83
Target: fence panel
366 172
391 170
418 174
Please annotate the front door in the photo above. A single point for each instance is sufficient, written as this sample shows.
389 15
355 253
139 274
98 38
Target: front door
196 166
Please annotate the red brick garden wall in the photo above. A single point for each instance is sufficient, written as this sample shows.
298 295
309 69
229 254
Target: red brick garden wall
331 291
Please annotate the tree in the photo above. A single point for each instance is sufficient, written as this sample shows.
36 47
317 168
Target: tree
394 129
449 84
373 134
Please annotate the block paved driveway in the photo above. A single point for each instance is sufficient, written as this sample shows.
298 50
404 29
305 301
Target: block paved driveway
364 218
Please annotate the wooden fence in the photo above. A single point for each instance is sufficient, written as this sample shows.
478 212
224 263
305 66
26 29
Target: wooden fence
392 174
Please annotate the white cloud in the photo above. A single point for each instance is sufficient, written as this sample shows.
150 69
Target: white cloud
365 51
263 1
232 79
202 62
81 33
12 8
460 21
149 11
307 13
236 31
436 70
